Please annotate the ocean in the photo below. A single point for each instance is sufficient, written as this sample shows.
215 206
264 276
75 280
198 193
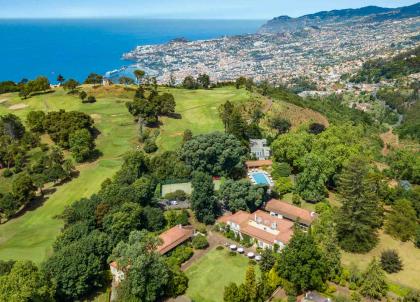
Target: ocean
76 47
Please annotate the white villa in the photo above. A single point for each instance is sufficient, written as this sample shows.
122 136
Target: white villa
259 148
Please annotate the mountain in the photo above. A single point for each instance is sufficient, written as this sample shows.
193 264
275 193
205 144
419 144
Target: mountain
365 14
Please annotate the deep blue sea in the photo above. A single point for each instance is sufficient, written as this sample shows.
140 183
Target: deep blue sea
74 47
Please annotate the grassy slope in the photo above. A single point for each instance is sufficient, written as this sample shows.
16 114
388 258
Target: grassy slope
199 110
210 274
31 235
410 257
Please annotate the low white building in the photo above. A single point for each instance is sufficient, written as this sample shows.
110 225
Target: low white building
260 149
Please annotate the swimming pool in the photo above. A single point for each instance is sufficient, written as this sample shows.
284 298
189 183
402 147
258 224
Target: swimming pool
261 178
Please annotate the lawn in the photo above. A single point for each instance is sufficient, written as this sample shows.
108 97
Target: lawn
31 235
410 257
211 273
199 112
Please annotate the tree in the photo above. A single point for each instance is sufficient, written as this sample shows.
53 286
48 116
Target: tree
11 126
154 218
225 113
361 214
39 84
94 78
135 165
139 74
417 237
230 293
91 99
203 200
241 195
60 124
25 283
204 81
23 188
268 260
214 153
251 284
310 184
166 103
79 267
60 79
147 274
279 123
189 83
150 146
283 185
35 120
71 85
316 128
119 223
373 281
401 221
81 145
301 263
83 95
292 147
390 261
126 81
402 164
240 82
325 235
188 135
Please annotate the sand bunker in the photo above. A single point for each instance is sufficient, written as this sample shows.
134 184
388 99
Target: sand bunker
3 101
18 106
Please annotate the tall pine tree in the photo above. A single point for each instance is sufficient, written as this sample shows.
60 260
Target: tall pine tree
374 284
361 214
203 200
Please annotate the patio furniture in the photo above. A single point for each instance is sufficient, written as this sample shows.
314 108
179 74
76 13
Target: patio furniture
250 255
258 258
233 247
240 250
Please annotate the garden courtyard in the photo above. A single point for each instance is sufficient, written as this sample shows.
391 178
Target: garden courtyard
211 273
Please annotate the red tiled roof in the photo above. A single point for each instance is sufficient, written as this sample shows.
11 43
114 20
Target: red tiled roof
174 237
238 218
290 211
284 227
258 163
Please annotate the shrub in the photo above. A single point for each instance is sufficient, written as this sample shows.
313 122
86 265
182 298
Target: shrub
90 99
202 229
356 297
283 185
219 248
281 170
150 146
182 254
390 261
177 195
296 200
200 242
330 289
232 253
252 262
417 238
7 173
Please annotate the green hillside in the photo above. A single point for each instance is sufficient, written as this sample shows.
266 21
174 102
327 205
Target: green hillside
31 235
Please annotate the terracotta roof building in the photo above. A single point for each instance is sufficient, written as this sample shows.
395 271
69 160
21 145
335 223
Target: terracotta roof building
170 240
286 210
174 237
253 164
266 230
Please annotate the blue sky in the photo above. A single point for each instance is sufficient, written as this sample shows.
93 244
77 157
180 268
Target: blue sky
191 9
